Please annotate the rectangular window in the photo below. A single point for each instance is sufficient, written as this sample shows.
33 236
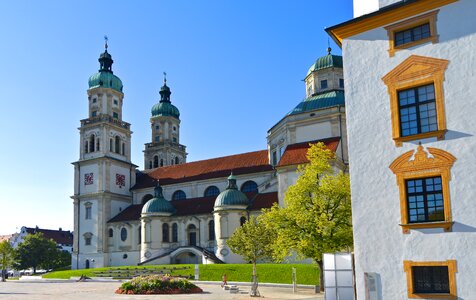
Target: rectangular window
87 241
341 83
115 115
157 138
275 158
431 279
94 100
94 113
174 139
88 213
115 102
412 34
425 200
417 108
323 84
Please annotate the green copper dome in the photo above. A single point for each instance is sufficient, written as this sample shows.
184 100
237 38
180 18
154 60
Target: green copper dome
231 196
104 77
158 204
165 107
105 80
328 61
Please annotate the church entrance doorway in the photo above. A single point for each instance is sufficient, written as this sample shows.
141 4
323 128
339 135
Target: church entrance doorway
192 235
87 264
187 258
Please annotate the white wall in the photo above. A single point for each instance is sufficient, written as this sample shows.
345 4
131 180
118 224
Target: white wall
363 7
380 245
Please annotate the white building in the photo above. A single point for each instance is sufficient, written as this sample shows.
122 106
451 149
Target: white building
62 238
122 216
409 69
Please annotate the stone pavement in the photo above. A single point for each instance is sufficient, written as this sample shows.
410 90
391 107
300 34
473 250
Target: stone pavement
71 290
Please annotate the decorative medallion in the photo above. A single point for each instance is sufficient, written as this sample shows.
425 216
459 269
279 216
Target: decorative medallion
147 254
88 178
224 252
120 180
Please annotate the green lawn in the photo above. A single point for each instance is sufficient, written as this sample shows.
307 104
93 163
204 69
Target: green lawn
271 273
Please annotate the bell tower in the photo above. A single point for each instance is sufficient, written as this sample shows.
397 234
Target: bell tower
104 173
165 148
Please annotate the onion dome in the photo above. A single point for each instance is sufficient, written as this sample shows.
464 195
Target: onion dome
328 61
158 204
104 78
165 107
232 196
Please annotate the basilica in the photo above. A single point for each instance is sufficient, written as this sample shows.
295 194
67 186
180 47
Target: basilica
175 211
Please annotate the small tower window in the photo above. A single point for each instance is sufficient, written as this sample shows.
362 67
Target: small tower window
275 158
157 138
97 144
341 83
176 160
161 162
111 145
157 127
150 164
174 232
211 230
91 143
156 161
94 100
165 232
111 232
118 144
115 115
175 128
94 113
88 212
123 149
174 139
324 84
115 102
86 146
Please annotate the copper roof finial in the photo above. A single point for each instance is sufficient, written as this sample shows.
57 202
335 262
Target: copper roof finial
105 42
165 78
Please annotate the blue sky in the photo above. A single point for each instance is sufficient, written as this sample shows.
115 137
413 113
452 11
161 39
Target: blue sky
235 68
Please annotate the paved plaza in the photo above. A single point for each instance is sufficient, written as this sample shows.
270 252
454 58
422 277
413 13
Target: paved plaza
67 289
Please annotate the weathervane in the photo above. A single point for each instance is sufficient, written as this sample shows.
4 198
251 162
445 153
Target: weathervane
105 41
165 78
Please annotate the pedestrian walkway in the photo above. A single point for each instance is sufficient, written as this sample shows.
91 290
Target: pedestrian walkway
71 290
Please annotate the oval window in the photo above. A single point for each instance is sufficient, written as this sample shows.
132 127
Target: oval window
123 234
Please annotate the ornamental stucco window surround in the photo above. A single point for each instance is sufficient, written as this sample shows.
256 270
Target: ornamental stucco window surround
412 32
426 206
431 279
404 83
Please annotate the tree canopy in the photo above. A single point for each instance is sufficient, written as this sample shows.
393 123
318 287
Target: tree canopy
38 252
253 242
316 218
6 256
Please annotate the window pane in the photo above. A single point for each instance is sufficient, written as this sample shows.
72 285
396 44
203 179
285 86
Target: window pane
425 200
430 280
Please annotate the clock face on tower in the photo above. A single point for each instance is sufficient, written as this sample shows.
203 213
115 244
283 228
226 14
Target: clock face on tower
88 178
120 180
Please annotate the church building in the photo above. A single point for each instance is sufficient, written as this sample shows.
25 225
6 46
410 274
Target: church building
176 211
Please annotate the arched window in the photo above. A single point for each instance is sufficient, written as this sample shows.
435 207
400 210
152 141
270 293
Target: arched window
179 195
242 221
161 162
97 144
249 187
123 149
111 232
123 234
118 144
86 264
91 143
211 230
174 232
146 198
111 143
165 232
176 160
211 191
86 147
156 161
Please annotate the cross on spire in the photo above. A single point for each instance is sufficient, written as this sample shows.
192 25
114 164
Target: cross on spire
105 42
165 77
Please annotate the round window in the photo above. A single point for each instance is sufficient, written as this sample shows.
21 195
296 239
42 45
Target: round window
123 234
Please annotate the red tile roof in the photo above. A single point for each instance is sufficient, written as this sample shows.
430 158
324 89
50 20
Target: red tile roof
245 163
61 237
196 206
296 154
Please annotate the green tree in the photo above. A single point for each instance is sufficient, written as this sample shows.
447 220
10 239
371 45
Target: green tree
6 256
36 252
316 218
252 241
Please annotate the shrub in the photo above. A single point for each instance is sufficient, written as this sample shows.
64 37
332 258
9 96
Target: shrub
158 284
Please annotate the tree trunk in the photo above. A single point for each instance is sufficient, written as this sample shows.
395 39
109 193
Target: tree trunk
321 274
254 287
3 274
